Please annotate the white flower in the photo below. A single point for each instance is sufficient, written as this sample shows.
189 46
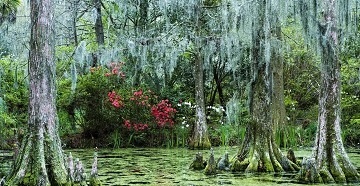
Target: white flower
187 125
187 103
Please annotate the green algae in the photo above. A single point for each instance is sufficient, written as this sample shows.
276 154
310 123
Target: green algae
153 166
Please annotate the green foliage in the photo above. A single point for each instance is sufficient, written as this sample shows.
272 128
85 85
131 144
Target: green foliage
212 2
85 108
350 100
7 6
116 139
108 109
301 76
13 100
224 131
351 133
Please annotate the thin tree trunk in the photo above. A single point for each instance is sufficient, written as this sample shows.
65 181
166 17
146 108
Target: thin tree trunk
99 33
41 160
140 28
99 28
200 138
75 5
329 161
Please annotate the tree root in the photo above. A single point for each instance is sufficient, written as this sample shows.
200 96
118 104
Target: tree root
328 173
263 158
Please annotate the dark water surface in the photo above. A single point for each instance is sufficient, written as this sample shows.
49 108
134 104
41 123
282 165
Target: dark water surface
154 166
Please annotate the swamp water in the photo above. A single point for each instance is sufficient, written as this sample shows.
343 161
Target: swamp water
153 166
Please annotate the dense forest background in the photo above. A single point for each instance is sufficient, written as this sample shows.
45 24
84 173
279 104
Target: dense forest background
128 72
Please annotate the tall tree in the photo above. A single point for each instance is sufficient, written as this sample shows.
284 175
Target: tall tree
277 105
140 28
200 137
259 152
41 161
329 161
99 28
99 31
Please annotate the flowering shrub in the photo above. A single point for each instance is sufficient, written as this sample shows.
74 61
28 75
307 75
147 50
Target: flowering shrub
139 98
163 113
139 112
135 126
116 70
115 99
109 107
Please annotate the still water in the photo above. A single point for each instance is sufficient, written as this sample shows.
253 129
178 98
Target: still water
154 166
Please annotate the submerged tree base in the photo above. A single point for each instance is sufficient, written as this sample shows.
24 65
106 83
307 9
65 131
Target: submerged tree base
326 174
198 144
259 153
263 161
39 163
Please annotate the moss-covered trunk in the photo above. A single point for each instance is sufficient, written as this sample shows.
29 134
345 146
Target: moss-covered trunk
199 138
277 88
259 153
330 161
140 28
41 161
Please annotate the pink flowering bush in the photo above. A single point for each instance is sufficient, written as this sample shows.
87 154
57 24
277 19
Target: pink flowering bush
163 113
115 99
141 112
145 120
112 109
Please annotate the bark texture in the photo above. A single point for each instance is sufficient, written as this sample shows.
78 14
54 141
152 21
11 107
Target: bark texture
41 160
259 153
277 86
200 138
140 28
99 28
329 161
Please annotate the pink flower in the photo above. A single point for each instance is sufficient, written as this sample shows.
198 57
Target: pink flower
122 75
116 103
115 71
138 93
127 124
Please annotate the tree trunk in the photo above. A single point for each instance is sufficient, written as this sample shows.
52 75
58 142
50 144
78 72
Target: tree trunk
329 161
140 28
259 153
200 137
99 33
41 160
74 11
277 88
99 28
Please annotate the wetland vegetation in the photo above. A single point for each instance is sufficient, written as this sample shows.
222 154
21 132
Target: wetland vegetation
150 85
